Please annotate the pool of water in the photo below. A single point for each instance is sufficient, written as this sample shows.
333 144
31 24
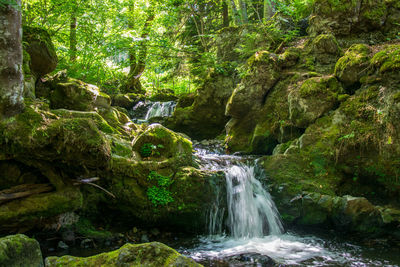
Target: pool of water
289 249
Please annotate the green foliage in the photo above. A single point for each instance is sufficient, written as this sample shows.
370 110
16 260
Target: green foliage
159 194
296 9
148 150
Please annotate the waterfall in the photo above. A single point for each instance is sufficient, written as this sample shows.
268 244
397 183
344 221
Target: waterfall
250 210
161 109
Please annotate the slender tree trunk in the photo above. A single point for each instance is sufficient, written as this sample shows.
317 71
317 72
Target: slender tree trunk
11 76
243 11
268 10
235 13
133 84
132 49
72 37
225 14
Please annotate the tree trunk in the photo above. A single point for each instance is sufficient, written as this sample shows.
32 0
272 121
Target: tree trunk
136 69
11 76
72 37
243 11
132 49
225 14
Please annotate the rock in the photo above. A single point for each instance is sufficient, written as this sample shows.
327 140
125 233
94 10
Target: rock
163 144
324 48
127 101
205 117
150 254
19 250
61 245
312 99
353 65
85 243
43 57
250 93
352 17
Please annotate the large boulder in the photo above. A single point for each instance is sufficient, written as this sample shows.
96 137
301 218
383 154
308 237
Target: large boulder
20 251
250 94
69 93
38 44
205 117
343 18
312 99
149 254
160 144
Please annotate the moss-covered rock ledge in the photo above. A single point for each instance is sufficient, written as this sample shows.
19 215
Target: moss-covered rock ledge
151 254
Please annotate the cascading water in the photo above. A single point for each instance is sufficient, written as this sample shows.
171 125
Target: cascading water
160 109
245 228
251 211
143 111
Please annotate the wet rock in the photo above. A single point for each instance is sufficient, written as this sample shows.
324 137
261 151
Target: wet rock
19 250
150 254
61 245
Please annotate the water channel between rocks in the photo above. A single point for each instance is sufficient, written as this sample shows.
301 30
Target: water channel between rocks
244 227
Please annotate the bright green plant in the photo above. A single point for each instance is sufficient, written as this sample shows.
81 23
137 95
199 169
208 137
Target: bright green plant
159 194
149 149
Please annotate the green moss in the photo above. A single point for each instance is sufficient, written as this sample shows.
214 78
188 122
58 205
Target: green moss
312 86
97 119
19 250
33 209
150 254
351 67
375 12
85 228
388 59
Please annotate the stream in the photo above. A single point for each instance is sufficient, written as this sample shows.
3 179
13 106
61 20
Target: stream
246 229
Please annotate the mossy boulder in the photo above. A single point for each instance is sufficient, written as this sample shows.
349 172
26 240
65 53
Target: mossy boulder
312 99
163 144
262 74
353 65
31 212
343 18
304 188
69 93
262 128
20 251
324 48
387 60
205 117
127 101
149 254
42 55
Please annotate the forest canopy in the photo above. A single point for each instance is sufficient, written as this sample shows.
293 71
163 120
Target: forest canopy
165 44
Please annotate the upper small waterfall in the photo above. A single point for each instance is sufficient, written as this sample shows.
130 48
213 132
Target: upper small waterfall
143 111
161 109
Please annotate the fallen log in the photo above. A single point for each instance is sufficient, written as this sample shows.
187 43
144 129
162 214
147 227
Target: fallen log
23 191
